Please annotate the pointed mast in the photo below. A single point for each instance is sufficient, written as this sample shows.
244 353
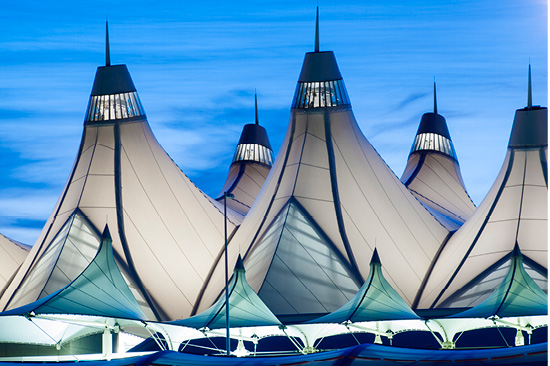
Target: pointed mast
256 106
435 99
529 96
107 48
317 31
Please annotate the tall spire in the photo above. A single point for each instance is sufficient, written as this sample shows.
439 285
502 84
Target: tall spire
107 48
529 96
317 31
435 99
256 107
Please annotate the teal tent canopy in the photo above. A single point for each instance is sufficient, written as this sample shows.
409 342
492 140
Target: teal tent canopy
246 309
100 290
517 295
376 300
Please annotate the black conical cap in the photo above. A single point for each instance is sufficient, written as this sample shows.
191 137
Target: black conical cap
530 128
433 123
253 133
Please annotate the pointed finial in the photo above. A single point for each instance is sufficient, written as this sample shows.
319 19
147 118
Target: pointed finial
107 48
256 107
375 257
529 96
435 99
106 233
317 31
239 266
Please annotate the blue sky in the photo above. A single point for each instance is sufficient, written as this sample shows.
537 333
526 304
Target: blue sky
196 67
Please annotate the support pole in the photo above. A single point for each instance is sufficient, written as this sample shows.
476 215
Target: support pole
227 338
107 344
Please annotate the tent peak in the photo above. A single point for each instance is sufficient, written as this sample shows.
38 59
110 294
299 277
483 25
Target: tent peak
239 266
375 258
516 252
106 233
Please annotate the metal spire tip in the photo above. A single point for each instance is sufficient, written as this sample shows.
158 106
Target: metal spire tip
435 98
529 95
107 48
256 107
317 31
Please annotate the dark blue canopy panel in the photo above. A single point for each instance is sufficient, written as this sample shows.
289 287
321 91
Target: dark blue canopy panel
99 290
246 309
376 300
517 295
71 250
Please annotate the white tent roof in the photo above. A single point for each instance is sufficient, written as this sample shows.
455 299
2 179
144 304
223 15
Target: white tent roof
12 254
433 174
514 211
334 188
165 229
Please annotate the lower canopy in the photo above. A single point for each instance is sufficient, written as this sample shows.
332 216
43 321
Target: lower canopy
300 338
366 353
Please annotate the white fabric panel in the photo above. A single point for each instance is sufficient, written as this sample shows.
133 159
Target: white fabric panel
412 162
438 185
99 192
531 233
247 184
12 255
173 230
321 190
533 168
296 150
533 208
520 211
